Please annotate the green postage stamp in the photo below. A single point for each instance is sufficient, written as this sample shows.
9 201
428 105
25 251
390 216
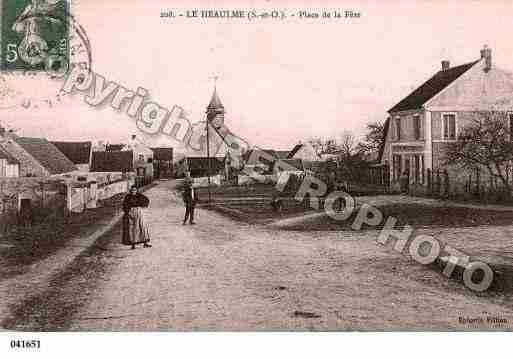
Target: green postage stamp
34 35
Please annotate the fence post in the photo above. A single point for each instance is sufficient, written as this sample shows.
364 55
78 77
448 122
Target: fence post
438 182
93 195
42 187
478 183
446 183
68 197
429 181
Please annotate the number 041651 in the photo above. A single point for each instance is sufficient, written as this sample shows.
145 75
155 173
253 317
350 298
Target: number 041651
25 344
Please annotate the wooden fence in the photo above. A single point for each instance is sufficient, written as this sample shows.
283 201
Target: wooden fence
478 185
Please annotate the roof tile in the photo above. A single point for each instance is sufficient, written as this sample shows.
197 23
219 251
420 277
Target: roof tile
431 87
46 154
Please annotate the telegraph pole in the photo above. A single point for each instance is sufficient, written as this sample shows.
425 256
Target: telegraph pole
209 162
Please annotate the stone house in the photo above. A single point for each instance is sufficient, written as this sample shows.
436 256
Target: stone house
37 157
421 126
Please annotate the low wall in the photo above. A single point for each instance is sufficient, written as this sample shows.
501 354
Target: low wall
28 200
203 181
80 198
265 179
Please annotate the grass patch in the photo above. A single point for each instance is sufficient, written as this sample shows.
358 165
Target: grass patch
259 212
415 215
230 192
35 243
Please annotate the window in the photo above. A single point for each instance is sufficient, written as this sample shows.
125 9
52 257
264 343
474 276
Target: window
398 128
449 126
416 127
141 157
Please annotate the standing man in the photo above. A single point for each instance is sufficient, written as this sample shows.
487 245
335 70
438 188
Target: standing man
188 199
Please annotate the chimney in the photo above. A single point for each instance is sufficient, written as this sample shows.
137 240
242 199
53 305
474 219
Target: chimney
486 54
445 65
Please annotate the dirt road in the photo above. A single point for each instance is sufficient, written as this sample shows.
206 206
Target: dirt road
223 275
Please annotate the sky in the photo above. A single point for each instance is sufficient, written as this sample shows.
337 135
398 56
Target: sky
281 82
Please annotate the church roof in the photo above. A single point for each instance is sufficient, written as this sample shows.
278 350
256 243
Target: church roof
215 102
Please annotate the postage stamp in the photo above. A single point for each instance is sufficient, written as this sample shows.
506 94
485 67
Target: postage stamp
34 35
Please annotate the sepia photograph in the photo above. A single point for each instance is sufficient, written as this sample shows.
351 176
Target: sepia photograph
255 168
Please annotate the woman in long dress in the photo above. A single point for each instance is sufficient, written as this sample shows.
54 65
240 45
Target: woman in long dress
135 229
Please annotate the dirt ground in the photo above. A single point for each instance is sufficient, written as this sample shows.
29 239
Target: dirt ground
227 275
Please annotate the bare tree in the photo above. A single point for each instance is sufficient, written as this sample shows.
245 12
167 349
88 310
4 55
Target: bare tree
374 137
347 145
323 145
485 143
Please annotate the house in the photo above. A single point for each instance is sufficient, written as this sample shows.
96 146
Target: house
112 161
140 151
36 157
47 155
305 152
281 154
421 125
259 160
162 161
9 166
200 166
289 166
77 152
109 147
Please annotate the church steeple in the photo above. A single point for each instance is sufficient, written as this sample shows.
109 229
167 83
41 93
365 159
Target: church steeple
215 102
215 109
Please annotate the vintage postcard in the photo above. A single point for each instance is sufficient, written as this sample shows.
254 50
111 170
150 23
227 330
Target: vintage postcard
255 166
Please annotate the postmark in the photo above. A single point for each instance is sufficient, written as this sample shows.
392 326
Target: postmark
32 87
35 35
